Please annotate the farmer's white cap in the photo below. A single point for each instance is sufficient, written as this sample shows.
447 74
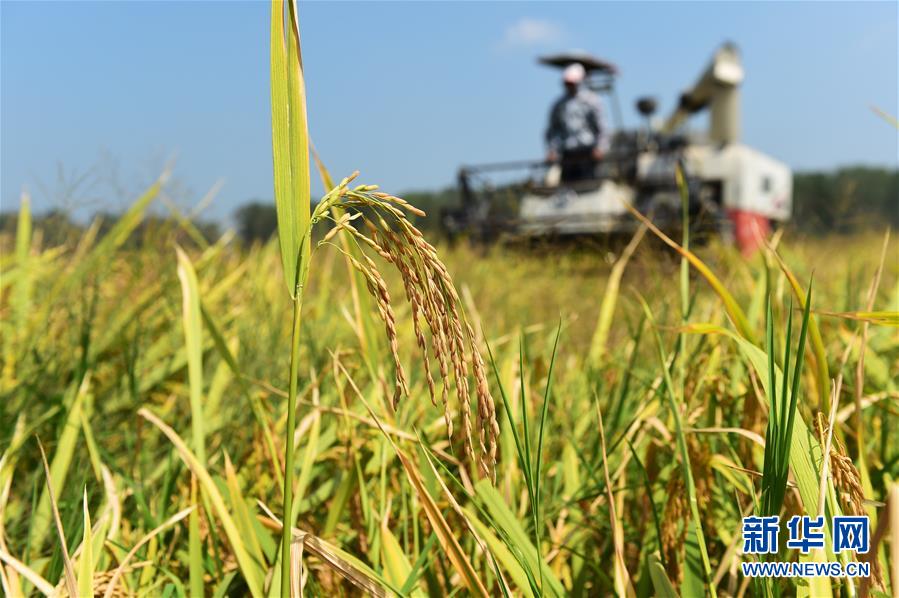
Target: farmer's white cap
574 73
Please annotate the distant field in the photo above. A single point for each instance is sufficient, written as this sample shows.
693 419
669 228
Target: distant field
95 331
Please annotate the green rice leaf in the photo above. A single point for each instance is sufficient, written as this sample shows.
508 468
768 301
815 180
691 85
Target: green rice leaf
805 450
518 539
86 561
193 343
509 562
822 374
660 581
251 569
290 144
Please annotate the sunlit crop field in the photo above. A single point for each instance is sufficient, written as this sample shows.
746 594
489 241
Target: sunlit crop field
357 407
156 385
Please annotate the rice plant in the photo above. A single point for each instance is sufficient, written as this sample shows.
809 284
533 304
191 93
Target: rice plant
158 438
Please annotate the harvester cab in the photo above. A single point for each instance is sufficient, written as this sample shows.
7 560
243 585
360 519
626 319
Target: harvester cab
733 188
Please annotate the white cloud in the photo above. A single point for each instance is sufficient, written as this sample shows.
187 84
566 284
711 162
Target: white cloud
527 32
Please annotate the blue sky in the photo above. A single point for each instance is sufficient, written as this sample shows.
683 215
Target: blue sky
95 97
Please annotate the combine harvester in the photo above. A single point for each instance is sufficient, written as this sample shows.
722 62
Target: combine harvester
734 190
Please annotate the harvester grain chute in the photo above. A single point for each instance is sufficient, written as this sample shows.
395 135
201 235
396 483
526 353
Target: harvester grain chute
732 187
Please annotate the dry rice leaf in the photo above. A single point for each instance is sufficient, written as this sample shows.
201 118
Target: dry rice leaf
71 583
623 584
754 437
42 585
610 298
343 563
444 533
887 117
878 318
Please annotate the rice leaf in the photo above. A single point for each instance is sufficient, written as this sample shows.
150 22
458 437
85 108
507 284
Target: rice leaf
68 568
396 565
443 530
623 586
308 461
290 144
33 577
193 344
894 532
610 298
891 120
660 581
194 544
782 413
341 562
733 309
59 468
251 569
822 374
255 406
86 561
518 540
889 319
805 451
509 562
242 516
120 570
686 469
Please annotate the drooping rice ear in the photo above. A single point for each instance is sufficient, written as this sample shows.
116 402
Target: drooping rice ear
431 293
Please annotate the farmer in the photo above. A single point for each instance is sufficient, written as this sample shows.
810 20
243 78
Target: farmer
577 134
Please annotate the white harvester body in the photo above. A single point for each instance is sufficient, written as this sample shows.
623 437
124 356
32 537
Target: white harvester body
750 180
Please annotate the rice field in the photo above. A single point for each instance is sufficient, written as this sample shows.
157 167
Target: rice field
432 419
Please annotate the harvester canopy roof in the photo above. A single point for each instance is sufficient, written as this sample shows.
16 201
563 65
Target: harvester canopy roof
588 61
